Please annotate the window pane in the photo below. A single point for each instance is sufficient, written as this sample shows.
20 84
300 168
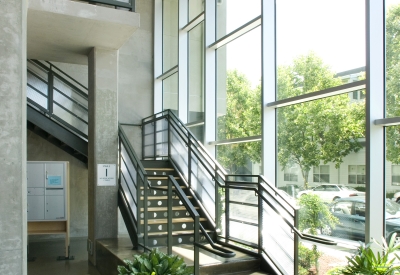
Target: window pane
195 8
324 169
170 93
352 179
392 171
392 58
231 14
198 132
317 132
170 34
239 90
324 178
240 158
324 51
196 88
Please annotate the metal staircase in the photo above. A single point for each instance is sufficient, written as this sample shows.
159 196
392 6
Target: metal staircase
57 108
176 193
158 211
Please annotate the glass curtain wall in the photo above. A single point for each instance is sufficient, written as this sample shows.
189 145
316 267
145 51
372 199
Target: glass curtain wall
392 111
239 88
170 53
321 142
196 80
321 78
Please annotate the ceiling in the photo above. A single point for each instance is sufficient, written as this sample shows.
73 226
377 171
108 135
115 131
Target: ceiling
66 31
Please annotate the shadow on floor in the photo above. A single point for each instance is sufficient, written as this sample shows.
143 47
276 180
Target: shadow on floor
46 253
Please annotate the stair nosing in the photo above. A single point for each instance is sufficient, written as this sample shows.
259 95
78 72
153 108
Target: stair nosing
174 220
162 197
174 208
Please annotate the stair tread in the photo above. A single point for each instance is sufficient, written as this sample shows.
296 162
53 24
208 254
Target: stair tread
174 220
175 233
160 169
164 187
164 177
152 209
162 197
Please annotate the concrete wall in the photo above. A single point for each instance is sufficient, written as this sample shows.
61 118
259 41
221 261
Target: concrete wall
13 200
135 94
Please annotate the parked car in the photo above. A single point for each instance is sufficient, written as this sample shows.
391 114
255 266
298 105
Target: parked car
351 214
396 197
291 189
330 192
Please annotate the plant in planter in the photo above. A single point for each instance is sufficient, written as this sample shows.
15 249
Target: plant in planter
155 263
367 262
314 214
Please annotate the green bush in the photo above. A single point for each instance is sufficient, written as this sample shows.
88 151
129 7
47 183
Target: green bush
155 263
367 262
307 259
314 215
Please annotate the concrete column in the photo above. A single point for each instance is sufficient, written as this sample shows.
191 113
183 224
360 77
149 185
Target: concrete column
103 144
13 203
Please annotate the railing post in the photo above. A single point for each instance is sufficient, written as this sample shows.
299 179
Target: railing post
227 198
145 206
260 217
169 135
296 243
169 215
155 139
195 247
218 203
50 88
189 160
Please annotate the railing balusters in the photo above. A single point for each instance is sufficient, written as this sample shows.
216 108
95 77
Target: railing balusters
50 93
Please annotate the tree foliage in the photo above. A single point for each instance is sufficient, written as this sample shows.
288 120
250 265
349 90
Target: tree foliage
324 130
242 119
392 82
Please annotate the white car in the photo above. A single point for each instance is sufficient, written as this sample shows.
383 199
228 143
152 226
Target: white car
331 192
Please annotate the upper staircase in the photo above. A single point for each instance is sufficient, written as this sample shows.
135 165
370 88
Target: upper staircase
57 108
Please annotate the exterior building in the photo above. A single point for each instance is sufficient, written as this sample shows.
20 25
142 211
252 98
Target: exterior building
179 55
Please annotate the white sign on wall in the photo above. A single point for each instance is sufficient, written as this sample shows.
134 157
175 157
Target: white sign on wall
106 174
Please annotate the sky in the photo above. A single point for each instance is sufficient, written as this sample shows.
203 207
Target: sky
334 30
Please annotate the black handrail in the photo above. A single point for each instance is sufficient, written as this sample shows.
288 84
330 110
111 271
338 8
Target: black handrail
216 249
223 180
117 4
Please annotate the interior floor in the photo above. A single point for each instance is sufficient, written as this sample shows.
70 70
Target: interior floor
44 255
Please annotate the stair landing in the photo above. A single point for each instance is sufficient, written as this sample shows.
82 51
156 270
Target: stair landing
112 252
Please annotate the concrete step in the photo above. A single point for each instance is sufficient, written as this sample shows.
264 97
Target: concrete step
112 252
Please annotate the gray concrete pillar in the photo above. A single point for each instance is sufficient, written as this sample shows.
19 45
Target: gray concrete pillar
13 203
103 146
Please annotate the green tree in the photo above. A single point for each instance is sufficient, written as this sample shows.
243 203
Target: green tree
324 130
392 82
242 119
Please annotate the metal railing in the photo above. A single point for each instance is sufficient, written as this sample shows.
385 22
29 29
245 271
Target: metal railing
247 211
134 178
58 96
126 4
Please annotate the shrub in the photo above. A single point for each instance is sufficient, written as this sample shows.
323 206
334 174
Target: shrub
155 263
367 262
